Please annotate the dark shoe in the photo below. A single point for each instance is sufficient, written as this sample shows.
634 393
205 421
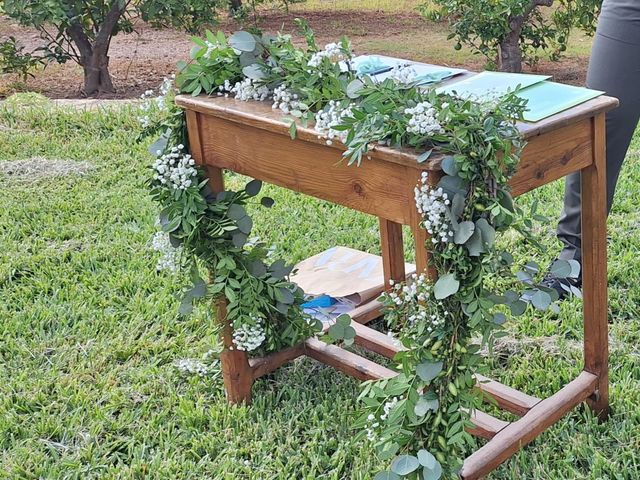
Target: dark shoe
565 287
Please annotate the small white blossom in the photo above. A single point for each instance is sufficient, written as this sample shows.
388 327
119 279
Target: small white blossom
422 120
149 102
329 117
175 169
432 203
248 89
403 74
332 51
192 367
285 99
170 259
249 336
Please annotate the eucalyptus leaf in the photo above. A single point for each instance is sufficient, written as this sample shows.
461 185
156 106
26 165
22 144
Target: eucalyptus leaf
424 405
243 41
561 269
457 205
541 300
267 202
404 464
344 319
499 318
286 296
186 307
575 268
158 146
236 212
253 188
427 371
432 473
423 157
426 459
454 185
199 289
386 476
487 231
518 308
282 308
245 224
474 244
446 286
354 88
257 268
239 239
336 331
464 232
175 241
254 72
449 166
247 58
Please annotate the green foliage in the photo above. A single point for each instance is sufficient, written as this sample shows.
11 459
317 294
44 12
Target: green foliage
484 25
90 332
13 59
421 416
81 31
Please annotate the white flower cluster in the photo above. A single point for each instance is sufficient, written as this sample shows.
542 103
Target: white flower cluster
388 406
432 204
170 259
249 337
423 119
332 51
225 88
328 118
285 100
403 74
190 366
248 89
415 290
149 101
175 169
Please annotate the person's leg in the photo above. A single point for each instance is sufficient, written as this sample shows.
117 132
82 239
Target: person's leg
614 68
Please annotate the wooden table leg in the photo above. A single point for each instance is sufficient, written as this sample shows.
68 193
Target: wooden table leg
392 251
236 371
594 269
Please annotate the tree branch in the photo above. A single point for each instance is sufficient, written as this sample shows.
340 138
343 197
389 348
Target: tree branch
103 37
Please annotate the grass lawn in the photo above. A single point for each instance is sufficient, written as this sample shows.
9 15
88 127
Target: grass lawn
89 334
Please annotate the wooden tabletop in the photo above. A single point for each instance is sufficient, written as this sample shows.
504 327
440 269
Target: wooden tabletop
261 115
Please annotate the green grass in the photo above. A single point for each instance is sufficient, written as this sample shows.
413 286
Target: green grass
89 334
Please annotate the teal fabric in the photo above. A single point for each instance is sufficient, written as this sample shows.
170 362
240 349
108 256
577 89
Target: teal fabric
371 66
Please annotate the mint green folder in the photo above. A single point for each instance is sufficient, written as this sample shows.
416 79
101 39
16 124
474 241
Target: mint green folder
487 85
548 98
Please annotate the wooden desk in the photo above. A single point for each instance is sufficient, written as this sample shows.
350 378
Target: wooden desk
252 139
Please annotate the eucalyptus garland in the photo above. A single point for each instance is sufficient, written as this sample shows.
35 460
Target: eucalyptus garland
419 418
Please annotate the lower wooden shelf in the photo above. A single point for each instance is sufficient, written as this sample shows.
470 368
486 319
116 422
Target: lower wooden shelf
503 438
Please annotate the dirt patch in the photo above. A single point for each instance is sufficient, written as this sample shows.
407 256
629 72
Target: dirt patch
139 61
39 168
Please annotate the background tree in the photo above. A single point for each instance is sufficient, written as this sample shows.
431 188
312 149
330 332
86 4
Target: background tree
81 30
509 32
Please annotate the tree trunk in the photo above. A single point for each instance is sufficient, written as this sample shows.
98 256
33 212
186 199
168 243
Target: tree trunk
97 78
510 49
94 57
511 53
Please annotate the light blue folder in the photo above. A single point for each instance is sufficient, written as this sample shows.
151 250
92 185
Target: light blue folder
548 98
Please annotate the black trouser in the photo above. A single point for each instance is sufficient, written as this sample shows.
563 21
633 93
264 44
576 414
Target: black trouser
615 68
